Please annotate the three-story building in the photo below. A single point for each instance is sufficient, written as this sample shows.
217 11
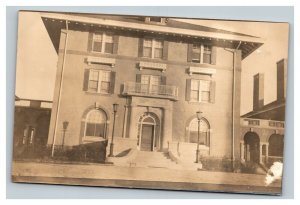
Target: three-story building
160 71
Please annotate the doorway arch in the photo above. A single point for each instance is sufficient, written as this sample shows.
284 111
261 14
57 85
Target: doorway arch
148 135
275 145
251 142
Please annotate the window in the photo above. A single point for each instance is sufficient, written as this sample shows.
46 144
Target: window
103 43
153 48
150 83
200 90
95 123
155 19
99 81
204 132
207 54
201 53
196 55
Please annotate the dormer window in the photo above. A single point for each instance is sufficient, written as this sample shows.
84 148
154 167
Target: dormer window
155 20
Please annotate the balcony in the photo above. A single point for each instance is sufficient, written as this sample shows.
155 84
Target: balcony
154 91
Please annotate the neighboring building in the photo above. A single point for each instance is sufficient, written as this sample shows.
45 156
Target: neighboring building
31 126
159 70
262 129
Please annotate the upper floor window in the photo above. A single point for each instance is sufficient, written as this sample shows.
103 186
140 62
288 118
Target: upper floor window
101 81
103 43
150 83
200 53
200 90
152 48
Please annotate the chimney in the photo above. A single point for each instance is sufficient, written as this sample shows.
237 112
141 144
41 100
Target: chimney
281 79
258 91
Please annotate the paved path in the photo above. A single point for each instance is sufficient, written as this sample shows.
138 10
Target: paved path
108 175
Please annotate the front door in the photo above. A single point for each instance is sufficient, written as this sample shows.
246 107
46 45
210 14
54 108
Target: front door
147 137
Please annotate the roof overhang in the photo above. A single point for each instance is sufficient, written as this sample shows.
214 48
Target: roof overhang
54 22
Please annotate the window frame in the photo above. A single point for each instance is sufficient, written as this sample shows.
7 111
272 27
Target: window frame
200 90
151 83
100 80
207 131
105 122
153 47
201 54
103 42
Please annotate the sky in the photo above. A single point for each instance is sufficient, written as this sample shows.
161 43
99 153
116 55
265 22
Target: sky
37 58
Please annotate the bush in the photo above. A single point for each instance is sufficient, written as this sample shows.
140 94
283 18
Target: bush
217 164
249 167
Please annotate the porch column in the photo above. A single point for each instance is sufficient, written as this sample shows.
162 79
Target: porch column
242 151
125 121
132 124
167 127
260 153
267 152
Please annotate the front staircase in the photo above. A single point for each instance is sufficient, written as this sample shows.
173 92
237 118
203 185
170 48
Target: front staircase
136 158
153 160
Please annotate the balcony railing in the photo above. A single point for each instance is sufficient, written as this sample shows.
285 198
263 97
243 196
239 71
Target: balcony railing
159 91
261 123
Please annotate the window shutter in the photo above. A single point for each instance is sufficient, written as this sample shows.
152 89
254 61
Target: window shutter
188 89
190 52
165 50
140 49
90 42
116 44
112 82
138 78
212 91
86 80
163 80
213 55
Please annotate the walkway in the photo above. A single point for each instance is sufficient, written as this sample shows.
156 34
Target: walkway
140 177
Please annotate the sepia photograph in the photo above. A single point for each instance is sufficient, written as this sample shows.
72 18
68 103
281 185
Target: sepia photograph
150 102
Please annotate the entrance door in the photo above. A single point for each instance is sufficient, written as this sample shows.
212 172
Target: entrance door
147 137
252 147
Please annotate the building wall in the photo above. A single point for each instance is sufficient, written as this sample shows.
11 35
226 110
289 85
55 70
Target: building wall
74 102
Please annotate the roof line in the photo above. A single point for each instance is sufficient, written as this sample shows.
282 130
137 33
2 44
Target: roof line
249 114
151 28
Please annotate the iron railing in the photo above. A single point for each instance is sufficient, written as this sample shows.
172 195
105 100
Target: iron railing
163 91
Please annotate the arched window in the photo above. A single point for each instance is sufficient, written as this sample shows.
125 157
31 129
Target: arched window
204 132
96 124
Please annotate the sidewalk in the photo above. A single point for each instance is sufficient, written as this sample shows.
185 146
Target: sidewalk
139 177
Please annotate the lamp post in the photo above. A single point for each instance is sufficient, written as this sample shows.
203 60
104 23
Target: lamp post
111 150
65 127
199 113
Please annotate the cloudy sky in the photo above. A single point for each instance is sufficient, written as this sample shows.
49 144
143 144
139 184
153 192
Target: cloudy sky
37 59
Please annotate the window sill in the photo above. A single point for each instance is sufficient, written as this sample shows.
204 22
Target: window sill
198 102
101 60
95 93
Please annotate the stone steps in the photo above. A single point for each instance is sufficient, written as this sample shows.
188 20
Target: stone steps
154 160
